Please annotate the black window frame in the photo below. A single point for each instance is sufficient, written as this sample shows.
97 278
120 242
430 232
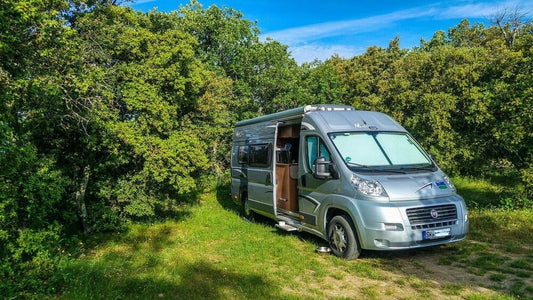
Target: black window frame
253 160
243 154
320 142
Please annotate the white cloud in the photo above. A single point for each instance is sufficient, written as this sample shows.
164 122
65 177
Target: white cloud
314 32
481 10
308 33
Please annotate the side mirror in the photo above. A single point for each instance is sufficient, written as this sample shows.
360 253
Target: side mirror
323 169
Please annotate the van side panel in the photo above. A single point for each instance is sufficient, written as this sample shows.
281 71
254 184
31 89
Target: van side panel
255 178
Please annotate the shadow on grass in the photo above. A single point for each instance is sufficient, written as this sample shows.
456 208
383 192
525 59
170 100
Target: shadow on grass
223 194
154 231
200 280
396 254
137 265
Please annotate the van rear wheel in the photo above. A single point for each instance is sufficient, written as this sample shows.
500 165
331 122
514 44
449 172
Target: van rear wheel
343 238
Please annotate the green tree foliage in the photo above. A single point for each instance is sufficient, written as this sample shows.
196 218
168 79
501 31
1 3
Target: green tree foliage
32 187
466 96
110 115
321 83
142 83
265 79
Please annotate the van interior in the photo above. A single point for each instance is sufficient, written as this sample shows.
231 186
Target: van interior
287 146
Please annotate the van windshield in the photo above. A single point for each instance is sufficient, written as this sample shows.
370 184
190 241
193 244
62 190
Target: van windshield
381 151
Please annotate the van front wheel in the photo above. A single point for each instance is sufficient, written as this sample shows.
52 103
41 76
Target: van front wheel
343 238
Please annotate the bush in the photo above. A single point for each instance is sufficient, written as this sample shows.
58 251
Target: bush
31 267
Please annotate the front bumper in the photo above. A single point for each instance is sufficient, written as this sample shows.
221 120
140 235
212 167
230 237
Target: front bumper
389 226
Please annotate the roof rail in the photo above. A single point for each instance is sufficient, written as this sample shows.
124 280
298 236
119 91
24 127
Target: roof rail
327 107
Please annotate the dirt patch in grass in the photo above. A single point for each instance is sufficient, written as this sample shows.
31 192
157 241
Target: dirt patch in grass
424 273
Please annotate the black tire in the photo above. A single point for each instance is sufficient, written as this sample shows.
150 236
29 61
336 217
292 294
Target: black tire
247 213
343 238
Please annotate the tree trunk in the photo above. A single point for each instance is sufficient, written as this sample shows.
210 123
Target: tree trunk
80 199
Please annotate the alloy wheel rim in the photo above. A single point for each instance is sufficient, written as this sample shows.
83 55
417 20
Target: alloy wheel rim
339 238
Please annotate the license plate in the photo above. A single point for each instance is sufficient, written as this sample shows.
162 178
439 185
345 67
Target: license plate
435 234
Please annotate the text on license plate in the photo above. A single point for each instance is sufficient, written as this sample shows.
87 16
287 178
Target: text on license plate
435 234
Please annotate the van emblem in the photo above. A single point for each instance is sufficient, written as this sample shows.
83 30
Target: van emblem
441 185
434 213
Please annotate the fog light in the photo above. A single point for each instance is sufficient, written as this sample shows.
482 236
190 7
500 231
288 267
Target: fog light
393 226
381 243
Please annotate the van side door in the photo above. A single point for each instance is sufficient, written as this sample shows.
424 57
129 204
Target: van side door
313 190
261 178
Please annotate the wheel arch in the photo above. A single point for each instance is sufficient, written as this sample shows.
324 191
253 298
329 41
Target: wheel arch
335 211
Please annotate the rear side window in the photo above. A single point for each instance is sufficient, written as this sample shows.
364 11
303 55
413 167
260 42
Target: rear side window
260 155
243 154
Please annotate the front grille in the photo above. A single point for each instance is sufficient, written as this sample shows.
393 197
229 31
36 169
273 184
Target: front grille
434 225
421 217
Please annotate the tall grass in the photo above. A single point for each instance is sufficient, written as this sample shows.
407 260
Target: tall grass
494 193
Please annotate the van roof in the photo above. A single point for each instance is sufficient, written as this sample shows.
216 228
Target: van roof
334 118
354 120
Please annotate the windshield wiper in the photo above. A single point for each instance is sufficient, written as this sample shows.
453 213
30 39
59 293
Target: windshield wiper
357 165
374 169
418 168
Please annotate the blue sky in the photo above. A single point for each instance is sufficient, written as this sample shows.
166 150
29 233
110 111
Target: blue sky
319 29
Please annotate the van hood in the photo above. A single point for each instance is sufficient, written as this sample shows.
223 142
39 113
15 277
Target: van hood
416 186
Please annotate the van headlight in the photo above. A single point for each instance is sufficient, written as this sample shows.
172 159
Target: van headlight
450 183
368 187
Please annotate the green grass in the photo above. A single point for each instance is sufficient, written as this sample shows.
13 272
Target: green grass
497 277
478 193
497 191
210 252
453 289
502 228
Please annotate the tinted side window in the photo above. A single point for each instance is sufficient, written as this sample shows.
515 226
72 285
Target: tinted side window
315 148
260 155
243 154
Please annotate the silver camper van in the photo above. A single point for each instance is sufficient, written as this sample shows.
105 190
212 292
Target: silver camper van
357 179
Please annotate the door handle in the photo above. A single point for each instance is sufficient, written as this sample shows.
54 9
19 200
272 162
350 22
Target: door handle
268 179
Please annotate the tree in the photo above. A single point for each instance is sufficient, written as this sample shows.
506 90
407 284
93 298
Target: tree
464 35
510 23
32 187
322 84
263 75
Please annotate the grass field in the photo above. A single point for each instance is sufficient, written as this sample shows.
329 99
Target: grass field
210 252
